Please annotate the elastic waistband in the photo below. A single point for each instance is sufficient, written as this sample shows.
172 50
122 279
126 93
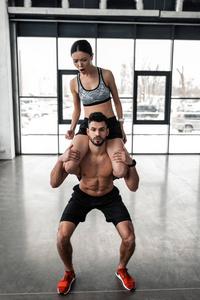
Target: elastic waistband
89 197
109 119
98 102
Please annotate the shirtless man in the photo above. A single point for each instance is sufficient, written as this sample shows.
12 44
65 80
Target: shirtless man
95 190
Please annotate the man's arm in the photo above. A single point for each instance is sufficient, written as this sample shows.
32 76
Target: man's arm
132 177
58 174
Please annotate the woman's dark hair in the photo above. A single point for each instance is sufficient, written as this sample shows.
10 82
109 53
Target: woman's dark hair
81 45
97 117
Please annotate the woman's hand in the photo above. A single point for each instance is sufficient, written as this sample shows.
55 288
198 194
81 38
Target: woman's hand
69 135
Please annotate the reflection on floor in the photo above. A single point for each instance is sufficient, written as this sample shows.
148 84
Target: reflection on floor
166 216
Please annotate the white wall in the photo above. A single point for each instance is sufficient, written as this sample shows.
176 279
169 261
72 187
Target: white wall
7 148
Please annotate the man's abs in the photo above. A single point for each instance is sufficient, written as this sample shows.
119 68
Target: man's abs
96 186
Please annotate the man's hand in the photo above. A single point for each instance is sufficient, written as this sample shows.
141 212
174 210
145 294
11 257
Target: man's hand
122 156
70 155
69 135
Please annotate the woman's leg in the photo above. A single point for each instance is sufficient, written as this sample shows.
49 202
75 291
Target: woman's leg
81 143
119 169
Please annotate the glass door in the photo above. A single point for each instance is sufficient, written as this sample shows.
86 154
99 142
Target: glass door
65 106
65 103
151 111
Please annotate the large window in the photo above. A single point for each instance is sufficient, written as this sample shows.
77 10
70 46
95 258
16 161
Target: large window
38 94
185 104
153 55
151 96
186 65
161 105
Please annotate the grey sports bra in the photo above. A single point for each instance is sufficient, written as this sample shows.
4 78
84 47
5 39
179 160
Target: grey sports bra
96 96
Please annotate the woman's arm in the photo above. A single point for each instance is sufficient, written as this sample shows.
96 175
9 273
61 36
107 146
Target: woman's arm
77 110
110 81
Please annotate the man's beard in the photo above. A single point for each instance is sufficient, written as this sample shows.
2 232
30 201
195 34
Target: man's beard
99 143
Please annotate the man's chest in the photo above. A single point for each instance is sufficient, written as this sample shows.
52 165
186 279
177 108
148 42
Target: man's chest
93 167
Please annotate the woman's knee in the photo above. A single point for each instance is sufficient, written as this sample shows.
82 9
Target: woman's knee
71 167
119 170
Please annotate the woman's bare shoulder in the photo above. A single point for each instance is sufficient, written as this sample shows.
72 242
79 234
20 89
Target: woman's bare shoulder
107 76
73 81
106 72
74 84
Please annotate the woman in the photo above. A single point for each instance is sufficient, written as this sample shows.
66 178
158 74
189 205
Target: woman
93 87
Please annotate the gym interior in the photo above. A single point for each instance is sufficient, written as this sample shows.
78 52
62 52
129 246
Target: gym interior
152 48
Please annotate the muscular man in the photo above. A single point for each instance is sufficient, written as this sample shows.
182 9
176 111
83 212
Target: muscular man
95 190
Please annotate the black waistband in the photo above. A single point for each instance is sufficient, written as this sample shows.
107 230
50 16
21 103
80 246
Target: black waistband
109 119
98 102
89 197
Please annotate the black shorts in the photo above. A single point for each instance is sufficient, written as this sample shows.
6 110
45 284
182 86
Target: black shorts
81 204
113 125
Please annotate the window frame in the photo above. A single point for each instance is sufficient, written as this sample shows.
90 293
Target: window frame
168 75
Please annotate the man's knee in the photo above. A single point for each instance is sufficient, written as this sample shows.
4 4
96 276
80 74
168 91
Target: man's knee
129 241
62 239
65 232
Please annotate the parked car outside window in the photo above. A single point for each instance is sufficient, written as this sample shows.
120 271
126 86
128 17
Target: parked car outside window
147 112
186 121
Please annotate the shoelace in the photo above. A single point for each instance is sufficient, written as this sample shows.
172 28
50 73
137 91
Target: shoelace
124 274
69 275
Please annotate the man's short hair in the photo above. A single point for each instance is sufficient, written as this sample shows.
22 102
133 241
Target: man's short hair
97 117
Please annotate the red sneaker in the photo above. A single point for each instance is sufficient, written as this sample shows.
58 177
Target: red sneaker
64 285
127 280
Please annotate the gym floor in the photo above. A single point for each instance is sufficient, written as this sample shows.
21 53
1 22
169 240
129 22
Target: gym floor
165 212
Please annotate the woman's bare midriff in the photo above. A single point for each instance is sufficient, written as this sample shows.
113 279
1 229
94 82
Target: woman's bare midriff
104 108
